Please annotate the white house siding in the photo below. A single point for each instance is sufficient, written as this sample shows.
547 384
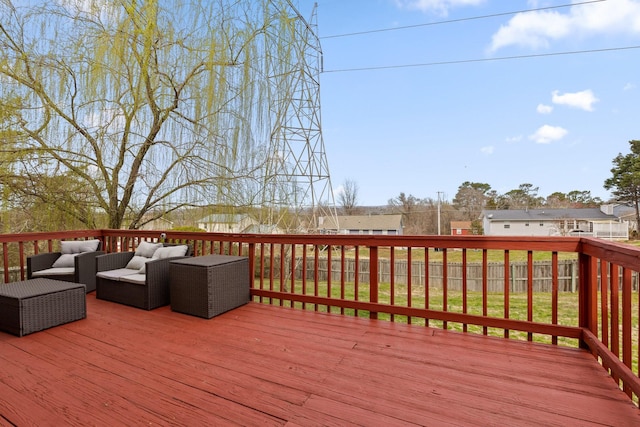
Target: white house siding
554 222
516 228
220 223
363 224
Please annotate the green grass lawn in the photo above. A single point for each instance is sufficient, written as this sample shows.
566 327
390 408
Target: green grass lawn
455 255
473 255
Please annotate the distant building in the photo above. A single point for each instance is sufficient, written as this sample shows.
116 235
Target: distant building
228 223
626 212
361 224
461 228
555 222
236 223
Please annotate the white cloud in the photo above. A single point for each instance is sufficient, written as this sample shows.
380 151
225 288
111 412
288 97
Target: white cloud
536 30
544 109
629 86
488 149
440 7
583 100
531 30
517 138
547 134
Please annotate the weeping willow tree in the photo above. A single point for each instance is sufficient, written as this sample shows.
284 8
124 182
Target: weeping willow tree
131 109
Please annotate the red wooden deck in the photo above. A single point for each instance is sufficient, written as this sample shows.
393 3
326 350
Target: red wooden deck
264 365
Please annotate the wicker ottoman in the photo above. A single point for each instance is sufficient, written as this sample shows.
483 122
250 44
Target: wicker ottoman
37 304
206 286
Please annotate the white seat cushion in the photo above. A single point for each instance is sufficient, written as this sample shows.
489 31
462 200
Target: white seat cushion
78 246
137 262
137 279
116 274
170 252
59 271
165 252
146 249
65 260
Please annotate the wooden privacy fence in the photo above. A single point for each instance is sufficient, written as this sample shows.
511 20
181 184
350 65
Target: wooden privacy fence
568 272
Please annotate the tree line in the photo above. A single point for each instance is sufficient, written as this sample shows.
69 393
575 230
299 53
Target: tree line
421 214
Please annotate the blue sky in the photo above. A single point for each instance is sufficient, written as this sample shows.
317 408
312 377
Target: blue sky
553 121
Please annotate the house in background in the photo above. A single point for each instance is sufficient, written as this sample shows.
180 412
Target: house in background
596 222
626 212
158 224
228 223
361 224
461 228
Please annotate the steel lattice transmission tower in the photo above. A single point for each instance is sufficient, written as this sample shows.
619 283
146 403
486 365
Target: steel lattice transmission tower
296 188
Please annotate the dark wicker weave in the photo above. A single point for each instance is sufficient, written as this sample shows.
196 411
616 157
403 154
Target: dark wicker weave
37 304
209 285
84 268
153 294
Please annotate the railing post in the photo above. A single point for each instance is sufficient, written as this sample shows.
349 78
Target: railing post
627 329
252 263
373 278
5 261
21 256
588 295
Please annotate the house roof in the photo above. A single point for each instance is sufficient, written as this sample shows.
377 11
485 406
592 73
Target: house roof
624 210
363 222
545 214
464 225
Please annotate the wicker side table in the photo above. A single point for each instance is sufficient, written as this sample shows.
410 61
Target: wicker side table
206 286
37 304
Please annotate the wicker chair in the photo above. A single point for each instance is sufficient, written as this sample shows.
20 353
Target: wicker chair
148 288
76 262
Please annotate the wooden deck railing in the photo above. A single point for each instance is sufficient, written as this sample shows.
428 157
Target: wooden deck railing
463 283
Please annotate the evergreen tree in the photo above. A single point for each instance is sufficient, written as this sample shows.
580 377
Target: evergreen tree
625 179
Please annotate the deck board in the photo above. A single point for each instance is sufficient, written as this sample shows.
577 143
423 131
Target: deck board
264 365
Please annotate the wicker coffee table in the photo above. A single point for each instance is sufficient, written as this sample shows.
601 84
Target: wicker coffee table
206 286
37 304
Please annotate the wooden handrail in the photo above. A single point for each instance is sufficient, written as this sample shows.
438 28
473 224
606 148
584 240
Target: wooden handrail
297 271
610 361
445 316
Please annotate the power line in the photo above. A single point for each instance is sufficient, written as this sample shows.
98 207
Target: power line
450 21
468 61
